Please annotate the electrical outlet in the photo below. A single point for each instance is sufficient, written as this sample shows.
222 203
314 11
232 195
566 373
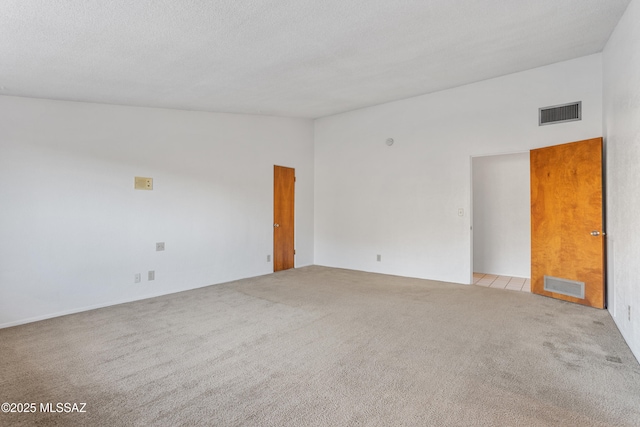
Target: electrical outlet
159 246
379 257
137 278
142 183
460 212
268 258
151 275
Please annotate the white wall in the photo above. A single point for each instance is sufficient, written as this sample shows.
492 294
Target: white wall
622 148
74 231
402 201
502 215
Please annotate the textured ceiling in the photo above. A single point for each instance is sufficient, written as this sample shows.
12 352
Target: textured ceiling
300 58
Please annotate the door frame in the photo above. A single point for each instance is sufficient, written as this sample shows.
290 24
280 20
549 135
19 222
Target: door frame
471 224
276 225
607 293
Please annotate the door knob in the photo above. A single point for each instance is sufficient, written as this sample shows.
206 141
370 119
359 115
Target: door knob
276 225
595 233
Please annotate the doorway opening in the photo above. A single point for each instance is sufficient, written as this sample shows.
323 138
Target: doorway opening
501 221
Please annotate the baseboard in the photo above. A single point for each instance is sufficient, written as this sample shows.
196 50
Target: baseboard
108 304
73 311
622 334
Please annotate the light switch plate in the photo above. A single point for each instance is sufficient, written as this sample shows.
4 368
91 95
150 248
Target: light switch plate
142 183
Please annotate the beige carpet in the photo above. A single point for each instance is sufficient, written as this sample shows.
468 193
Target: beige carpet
319 346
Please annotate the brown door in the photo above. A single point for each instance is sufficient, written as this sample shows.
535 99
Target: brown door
567 238
283 203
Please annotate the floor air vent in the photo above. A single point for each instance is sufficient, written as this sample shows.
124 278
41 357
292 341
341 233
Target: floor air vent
560 113
566 287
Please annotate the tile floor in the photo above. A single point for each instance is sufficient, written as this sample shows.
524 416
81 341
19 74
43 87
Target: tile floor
502 282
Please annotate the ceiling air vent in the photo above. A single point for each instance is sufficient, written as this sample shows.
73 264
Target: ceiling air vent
560 113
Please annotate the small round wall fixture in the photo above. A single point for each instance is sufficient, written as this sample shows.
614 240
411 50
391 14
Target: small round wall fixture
389 142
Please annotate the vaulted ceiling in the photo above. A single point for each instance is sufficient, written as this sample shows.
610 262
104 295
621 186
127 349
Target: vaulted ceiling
298 58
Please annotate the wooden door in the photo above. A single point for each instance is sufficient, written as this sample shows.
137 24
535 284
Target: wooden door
283 216
567 238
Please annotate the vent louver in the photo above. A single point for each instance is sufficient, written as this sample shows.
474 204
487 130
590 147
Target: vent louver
567 287
560 113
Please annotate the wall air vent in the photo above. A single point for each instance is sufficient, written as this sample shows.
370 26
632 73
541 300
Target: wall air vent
571 288
560 113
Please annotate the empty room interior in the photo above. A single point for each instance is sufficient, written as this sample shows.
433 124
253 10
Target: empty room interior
320 213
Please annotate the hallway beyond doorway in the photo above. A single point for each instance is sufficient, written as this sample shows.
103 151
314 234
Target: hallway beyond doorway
502 282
